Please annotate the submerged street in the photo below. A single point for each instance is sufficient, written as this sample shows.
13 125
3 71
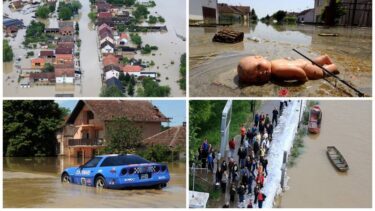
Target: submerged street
213 66
35 182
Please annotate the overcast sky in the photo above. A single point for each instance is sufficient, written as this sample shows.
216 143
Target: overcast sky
176 109
264 7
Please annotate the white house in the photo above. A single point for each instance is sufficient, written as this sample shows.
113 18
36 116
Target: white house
111 71
64 75
107 38
306 16
107 47
132 70
203 11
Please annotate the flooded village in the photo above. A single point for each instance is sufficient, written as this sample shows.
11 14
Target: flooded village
348 42
276 154
81 131
99 49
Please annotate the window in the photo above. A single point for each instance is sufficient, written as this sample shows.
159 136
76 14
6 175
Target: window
92 163
123 160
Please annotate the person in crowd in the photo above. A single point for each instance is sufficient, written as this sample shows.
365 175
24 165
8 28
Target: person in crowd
256 119
256 191
256 146
242 153
281 107
232 147
262 117
243 133
235 174
204 150
261 197
260 179
224 180
261 127
269 129
262 152
230 167
224 166
264 163
249 205
218 175
232 192
250 183
254 166
275 114
210 162
267 119
241 193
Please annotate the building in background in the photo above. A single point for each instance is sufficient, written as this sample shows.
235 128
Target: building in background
233 13
357 12
84 130
306 16
203 11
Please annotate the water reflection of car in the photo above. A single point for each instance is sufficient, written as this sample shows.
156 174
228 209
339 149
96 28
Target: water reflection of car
118 172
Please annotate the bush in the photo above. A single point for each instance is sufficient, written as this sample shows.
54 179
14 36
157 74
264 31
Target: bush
161 19
43 12
92 16
7 52
157 153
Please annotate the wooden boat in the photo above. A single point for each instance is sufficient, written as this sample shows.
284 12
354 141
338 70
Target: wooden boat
227 35
315 119
337 159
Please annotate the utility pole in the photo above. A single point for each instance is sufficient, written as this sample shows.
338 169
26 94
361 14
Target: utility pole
300 111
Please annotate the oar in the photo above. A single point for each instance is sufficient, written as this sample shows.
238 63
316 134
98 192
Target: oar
360 94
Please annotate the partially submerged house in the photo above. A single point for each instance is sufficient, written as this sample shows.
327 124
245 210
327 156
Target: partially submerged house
84 130
110 59
134 70
306 16
111 71
38 63
203 11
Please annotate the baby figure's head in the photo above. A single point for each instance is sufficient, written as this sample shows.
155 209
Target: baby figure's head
254 70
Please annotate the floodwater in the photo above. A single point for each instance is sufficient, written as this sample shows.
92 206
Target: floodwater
314 182
170 46
35 182
170 49
213 65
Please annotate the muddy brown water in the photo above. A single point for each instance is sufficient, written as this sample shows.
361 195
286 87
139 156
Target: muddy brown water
35 182
213 65
314 182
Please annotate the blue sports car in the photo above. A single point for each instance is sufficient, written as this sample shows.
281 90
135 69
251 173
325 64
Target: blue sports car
117 172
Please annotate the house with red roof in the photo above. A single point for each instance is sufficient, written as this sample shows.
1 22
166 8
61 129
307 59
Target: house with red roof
110 59
38 63
132 70
105 17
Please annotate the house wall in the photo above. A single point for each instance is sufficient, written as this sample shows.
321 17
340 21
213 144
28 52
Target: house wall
136 74
149 128
307 18
112 73
67 80
196 9
107 49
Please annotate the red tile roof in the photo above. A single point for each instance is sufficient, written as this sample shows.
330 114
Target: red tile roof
64 56
104 15
38 60
134 110
172 137
124 36
68 72
46 53
49 76
131 68
110 59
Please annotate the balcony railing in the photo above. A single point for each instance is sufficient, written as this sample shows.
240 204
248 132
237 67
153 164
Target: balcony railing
86 142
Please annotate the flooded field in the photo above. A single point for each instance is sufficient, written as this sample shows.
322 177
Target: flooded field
314 182
213 65
170 49
35 182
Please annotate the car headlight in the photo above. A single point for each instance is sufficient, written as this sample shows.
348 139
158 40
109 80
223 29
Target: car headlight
124 171
163 168
131 171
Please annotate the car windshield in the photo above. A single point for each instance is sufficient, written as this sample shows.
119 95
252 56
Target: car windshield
123 160
93 162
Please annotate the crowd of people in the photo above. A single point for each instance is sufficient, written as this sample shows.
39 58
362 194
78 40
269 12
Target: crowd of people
245 175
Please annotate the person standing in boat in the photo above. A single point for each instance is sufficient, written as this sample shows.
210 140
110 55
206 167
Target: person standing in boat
275 113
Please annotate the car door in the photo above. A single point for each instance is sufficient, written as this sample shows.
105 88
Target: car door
85 174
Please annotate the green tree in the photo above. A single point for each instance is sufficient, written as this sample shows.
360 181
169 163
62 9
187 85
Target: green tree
254 16
110 91
140 12
75 5
65 13
182 80
136 39
131 89
153 89
279 16
48 67
92 16
30 127
122 136
161 19
129 3
333 12
42 12
7 52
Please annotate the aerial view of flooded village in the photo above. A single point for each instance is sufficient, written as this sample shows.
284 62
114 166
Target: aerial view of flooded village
106 48
280 48
94 154
280 154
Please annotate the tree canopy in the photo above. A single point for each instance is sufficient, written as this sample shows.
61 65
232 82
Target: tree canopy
7 52
152 89
30 127
111 91
122 136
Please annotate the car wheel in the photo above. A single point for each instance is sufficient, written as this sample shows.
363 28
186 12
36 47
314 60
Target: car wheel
65 178
100 182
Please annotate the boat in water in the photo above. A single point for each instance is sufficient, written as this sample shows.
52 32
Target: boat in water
315 119
337 159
